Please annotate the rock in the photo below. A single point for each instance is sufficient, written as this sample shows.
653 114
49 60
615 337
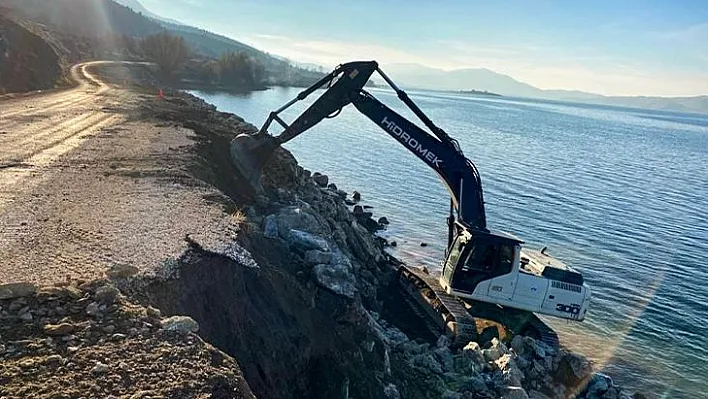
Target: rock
524 345
109 329
474 384
180 323
448 394
356 196
611 393
73 292
270 227
471 360
305 241
44 293
393 244
511 374
332 187
391 391
118 336
26 316
93 309
336 277
444 357
314 257
597 386
534 394
383 221
59 329
365 220
16 290
99 368
497 350
153 313
107 294
572 369
297 218
121 271
423 244
320 179
515 393
358 210
488 334
53 359
428 362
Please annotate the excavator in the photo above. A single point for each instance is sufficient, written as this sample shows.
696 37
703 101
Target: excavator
486 275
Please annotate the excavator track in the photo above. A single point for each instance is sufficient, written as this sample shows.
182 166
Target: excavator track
463 320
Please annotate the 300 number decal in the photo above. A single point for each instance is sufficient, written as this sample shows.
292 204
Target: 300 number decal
572 309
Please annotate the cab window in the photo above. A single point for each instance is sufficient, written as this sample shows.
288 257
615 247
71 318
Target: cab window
494 258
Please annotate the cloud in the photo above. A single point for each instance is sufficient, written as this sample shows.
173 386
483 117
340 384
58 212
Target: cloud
332 53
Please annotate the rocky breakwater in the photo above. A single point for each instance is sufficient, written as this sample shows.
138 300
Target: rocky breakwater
332 241
87 340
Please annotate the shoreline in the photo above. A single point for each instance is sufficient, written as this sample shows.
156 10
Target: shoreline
318 314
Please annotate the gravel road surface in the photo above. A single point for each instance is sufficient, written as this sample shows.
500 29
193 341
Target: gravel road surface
86 186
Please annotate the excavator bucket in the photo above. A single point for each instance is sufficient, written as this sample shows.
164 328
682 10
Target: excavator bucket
249 154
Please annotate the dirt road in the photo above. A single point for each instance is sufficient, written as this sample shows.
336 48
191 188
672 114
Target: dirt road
85 187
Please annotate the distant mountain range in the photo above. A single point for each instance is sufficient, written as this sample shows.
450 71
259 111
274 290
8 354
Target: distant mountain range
422 77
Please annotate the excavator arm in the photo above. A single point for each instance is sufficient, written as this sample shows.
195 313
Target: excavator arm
345 86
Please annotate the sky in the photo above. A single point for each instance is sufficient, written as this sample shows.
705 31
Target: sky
620 47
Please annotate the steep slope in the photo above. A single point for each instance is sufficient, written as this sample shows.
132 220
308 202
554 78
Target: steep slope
27 62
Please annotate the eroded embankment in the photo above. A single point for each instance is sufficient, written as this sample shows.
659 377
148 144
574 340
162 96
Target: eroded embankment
298 301
305 300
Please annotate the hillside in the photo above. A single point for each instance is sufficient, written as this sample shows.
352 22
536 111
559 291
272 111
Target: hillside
418 76
104 29
28 62
213 45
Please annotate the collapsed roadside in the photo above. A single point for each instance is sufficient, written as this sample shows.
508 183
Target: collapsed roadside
305 298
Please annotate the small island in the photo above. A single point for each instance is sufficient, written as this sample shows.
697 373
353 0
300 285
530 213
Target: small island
480 93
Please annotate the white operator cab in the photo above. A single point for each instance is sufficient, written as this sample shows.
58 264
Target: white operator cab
492 267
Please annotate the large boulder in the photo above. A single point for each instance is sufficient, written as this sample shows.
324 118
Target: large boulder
598 386
297 218
511 374
573 369
336 277
316 257
304 241
182 324
320 179
270 227
495 351
470 360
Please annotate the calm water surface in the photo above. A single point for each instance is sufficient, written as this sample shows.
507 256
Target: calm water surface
617 193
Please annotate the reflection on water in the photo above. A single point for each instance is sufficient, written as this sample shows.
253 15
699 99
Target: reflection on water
617 193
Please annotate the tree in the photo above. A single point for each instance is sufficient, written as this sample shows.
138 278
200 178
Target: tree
239 70
168 52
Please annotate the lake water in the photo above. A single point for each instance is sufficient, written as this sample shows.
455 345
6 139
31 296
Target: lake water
617 193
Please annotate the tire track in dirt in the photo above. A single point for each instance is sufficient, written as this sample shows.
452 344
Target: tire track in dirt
30 146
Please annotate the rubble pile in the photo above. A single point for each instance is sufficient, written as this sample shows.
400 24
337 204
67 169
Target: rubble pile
87 340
